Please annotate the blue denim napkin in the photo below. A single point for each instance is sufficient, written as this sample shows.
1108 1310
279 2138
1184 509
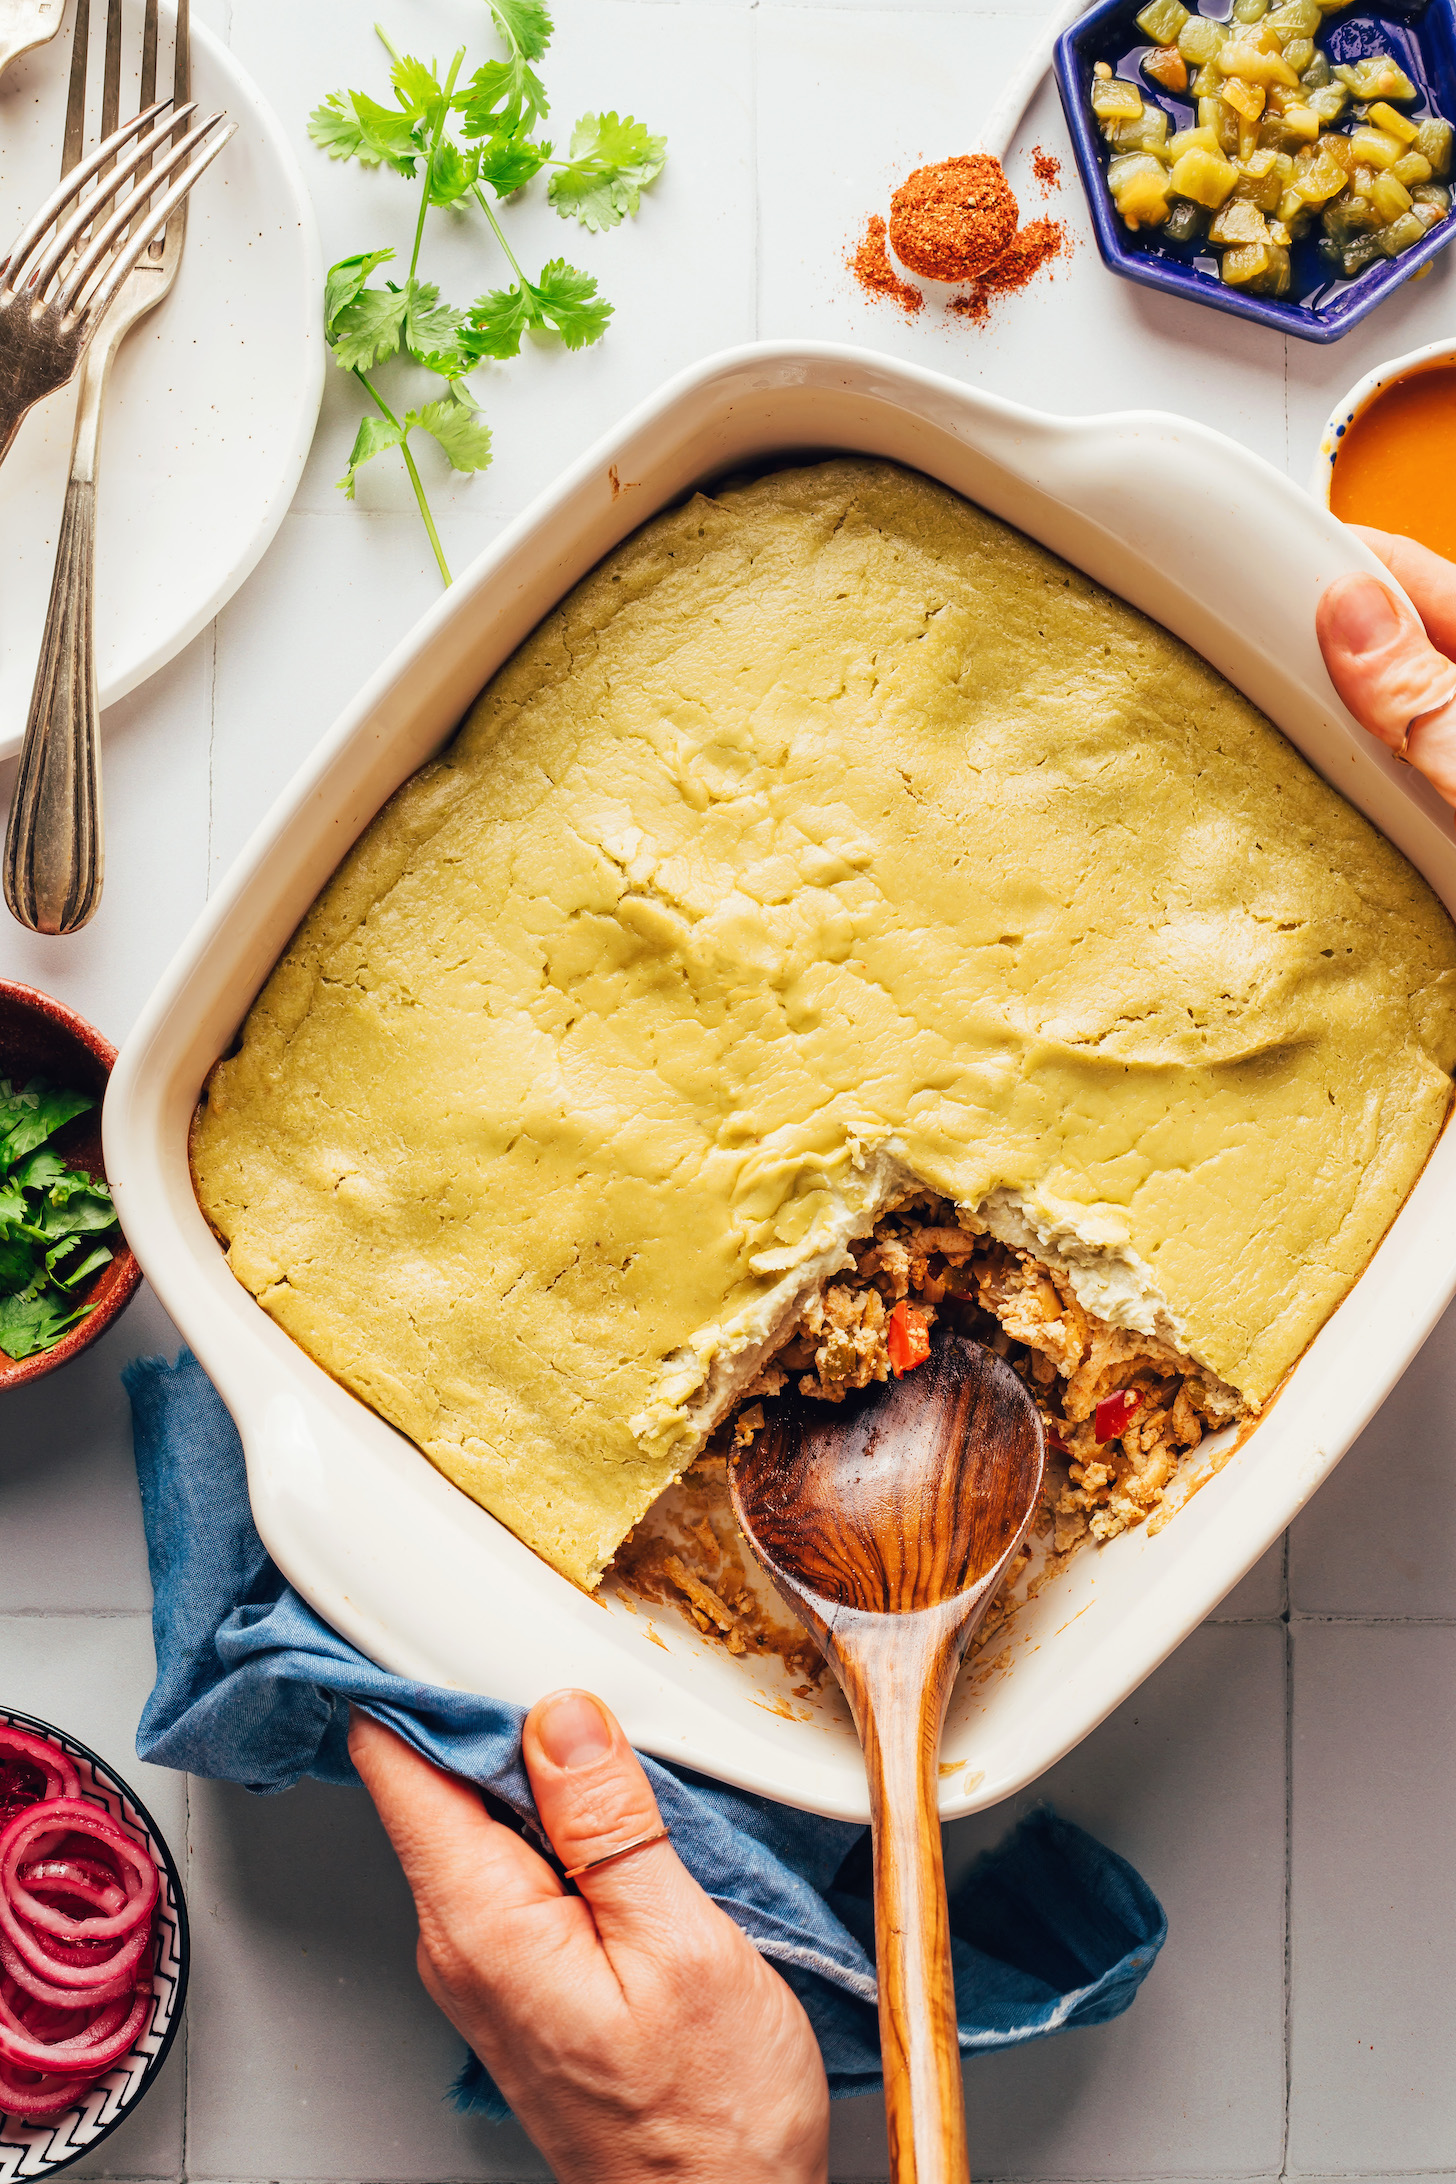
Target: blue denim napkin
1051 1928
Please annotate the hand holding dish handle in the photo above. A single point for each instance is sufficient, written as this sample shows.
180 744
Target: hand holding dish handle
632 2027
1395 672
888 1525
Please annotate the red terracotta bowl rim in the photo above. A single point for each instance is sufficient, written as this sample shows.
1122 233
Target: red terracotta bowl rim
14 1373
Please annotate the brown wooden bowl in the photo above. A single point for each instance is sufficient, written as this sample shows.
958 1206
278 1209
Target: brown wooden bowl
40 1037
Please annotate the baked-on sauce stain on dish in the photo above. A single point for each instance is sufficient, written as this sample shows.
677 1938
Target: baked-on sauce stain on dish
1395 467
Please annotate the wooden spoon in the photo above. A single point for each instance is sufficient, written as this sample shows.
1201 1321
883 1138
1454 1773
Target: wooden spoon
886 1523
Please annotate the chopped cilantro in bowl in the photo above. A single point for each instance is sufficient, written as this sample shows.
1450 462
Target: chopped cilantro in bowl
54 1220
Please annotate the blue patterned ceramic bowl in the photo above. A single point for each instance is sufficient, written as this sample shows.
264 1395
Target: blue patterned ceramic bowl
1422 38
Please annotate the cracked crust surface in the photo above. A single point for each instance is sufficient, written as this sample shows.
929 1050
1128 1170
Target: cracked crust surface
828 818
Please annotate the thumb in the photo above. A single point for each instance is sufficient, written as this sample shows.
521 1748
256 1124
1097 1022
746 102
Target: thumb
593 1798
1390 675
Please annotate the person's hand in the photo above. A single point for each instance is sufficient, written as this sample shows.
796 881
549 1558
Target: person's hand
1394 669
634 2029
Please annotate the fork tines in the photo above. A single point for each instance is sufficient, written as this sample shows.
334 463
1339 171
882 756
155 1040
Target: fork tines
92 232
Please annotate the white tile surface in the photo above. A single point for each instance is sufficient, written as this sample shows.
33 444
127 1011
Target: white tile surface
1260 1595
311 2051
1380 1539
71 1532
1373 1899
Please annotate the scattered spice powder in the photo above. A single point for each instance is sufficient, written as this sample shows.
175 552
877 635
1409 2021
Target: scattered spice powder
1030 249
869 262
958 221
1047 168
951 221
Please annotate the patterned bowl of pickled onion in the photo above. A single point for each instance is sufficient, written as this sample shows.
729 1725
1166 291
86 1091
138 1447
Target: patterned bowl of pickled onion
93 1949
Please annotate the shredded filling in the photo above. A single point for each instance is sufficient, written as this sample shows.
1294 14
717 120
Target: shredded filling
1121 1411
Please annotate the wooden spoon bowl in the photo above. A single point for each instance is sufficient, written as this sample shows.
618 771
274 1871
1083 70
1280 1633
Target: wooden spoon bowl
887 1523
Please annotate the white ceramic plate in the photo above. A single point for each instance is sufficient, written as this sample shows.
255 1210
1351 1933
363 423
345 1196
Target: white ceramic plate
1155 507
212 402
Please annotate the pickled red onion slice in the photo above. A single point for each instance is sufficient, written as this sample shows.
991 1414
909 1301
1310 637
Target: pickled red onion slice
61 1778
138 1874
91 2051
77 1904
86 1878
81 1967
41 2098
122 1972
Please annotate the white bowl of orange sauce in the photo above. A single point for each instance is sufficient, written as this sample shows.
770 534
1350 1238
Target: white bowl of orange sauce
1387 456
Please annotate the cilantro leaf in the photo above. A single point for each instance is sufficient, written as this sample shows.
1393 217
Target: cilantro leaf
369 328
91 1264
507 163
334 127
388 133
458 427
346 280
375 435
429 325
417 88
526 24
611 162
29 1325
452 172
38 1172
351 125
87 1214
563 299
569 301
497 322
502 98
52 1219
28 1118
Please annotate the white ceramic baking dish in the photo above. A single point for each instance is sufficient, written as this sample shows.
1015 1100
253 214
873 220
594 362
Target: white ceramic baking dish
1188 526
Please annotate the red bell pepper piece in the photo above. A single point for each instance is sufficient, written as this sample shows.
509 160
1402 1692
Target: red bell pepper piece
908 1339
1114 1413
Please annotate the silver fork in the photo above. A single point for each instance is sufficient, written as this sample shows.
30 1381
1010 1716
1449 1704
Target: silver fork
54 849
27 23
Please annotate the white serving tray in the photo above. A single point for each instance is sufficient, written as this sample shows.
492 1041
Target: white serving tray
1190 527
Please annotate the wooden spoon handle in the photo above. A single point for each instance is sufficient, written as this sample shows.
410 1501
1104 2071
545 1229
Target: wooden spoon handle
898 1685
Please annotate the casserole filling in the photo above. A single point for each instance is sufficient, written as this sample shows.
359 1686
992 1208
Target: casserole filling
1121 1408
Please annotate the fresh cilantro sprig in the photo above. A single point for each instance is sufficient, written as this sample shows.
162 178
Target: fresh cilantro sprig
53 1220
497 152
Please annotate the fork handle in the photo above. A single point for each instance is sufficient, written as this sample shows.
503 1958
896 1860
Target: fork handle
54 848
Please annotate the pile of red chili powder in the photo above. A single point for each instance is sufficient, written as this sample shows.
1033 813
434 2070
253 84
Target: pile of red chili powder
958 221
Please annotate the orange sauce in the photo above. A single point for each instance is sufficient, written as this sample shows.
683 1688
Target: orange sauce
1395 468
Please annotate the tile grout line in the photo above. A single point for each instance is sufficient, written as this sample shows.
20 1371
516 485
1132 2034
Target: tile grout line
211 747
1288 1803
73 1615
756 251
